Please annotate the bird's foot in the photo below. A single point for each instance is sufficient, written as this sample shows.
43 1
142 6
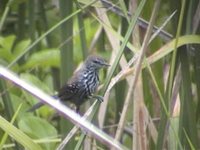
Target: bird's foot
78 110
98 97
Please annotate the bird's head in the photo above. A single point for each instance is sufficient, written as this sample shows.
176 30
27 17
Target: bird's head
96 62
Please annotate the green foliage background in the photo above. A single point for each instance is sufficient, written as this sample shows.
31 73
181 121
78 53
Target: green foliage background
45 41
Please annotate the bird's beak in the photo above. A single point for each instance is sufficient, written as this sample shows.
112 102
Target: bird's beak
106 65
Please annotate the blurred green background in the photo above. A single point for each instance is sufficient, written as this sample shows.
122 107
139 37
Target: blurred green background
44 41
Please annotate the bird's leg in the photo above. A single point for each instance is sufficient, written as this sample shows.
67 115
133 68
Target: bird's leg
78 110
98 97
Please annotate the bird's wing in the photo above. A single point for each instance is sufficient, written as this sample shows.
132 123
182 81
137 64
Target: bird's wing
67 92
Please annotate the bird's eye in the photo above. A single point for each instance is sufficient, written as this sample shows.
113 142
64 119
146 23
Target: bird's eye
96 61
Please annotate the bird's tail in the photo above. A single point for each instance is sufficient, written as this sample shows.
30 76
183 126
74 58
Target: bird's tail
34 107
38 105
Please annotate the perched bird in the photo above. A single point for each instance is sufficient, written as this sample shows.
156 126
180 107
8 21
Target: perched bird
82 84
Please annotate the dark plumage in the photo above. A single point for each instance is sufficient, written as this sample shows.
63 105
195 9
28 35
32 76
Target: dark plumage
82 84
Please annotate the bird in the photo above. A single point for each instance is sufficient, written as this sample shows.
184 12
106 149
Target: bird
82 85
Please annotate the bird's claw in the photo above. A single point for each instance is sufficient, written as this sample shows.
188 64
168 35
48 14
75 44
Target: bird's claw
98 97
